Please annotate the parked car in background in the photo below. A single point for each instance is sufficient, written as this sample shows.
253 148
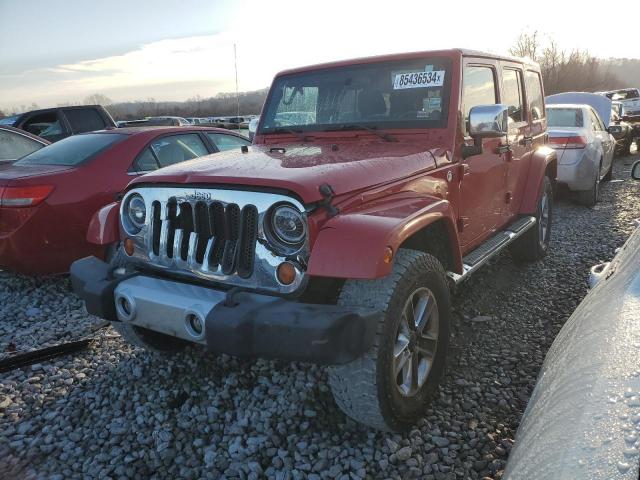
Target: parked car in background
630 99
583 142
16 143
165 121
624 132
336 241
583 416
48 197
54 124
253 126
232 123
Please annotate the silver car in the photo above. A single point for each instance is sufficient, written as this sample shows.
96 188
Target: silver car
583 419
585 149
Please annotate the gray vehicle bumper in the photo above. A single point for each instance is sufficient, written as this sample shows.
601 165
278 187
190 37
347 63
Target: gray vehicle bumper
576 170
242 323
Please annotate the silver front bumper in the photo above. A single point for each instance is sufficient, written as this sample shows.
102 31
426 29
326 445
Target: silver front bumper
166 306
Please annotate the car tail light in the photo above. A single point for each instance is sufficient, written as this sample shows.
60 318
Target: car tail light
24 196
568 143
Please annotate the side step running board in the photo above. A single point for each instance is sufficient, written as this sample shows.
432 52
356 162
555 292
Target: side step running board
481 255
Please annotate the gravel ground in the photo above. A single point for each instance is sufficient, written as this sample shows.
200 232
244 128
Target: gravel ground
113 411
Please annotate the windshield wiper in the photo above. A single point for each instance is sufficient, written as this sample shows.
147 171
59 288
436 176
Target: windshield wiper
354 126
298 133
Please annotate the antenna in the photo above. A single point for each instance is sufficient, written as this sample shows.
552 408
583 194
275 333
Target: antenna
235 62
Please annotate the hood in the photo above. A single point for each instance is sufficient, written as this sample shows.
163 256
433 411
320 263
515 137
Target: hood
11 171
599 103
302 168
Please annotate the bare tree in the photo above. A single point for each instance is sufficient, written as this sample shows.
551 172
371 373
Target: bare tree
563 70
97 99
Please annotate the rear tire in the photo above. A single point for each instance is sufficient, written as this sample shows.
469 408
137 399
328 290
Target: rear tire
534 243
138 336
379 389
589 198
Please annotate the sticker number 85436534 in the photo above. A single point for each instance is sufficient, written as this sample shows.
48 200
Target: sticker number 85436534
418 79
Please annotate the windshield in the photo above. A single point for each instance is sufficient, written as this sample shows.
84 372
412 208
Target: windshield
564 117
72 150
392 94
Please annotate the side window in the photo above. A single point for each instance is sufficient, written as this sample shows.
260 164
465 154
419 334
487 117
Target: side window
146 161
534 93
227 142
479 88
14 145
595 121
45 125
84 120
512 93
178 148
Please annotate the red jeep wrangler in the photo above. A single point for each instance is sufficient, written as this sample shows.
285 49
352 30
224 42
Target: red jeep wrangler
372 187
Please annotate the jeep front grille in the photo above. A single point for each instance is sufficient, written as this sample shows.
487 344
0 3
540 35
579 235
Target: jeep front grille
212 234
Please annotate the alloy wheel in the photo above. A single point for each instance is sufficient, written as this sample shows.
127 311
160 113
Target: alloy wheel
416 342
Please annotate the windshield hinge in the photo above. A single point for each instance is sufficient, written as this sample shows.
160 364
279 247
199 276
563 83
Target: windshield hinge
327 194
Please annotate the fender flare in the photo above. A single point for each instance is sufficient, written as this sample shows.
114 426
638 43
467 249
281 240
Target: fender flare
104 228
352 245
542 158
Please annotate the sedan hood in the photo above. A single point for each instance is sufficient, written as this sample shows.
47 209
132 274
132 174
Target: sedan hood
11 171
303 168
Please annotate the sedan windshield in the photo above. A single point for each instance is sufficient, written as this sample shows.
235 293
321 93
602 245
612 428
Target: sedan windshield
564 117
392 94
72 150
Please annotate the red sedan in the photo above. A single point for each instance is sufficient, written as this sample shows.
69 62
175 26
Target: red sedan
48 197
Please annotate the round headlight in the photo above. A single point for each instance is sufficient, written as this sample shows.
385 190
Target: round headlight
288 225
136 211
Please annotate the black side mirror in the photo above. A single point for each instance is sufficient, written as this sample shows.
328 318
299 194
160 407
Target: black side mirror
635 170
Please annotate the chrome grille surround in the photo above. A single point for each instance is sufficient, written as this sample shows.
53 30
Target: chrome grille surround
262 277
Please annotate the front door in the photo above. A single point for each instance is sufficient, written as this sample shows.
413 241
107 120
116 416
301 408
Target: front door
484 179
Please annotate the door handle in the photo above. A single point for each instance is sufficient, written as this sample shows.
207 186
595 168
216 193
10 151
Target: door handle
466 169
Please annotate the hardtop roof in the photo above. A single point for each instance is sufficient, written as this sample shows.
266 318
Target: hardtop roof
410 55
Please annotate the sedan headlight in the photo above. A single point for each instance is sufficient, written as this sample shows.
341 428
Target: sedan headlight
288 227
135 214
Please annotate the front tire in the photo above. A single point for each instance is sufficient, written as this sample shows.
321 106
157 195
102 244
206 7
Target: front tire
533 244
389 387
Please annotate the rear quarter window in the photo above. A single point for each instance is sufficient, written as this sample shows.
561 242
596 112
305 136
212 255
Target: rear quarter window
84 120
534 94
73 150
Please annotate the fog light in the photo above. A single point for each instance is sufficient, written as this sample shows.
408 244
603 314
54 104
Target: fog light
286 273
129 246
194 324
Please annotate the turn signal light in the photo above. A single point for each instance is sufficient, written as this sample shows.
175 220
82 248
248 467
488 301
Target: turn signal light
286 273
387 256
129 246
29 196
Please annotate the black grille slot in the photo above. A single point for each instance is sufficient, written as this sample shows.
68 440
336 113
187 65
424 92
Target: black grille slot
248 239
203 228
185 222
156 226
232 214
219 224
172 210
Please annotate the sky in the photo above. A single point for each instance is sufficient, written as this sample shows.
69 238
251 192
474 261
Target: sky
62 52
